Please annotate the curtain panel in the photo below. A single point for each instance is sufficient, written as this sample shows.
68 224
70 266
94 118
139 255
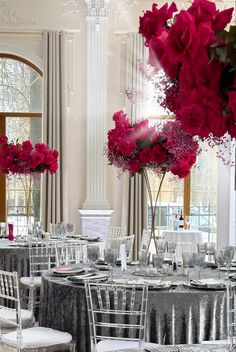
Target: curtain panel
53 115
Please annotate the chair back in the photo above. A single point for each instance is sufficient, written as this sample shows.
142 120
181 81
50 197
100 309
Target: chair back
116 312
10 301
146 237
115 232
231 313
161 245
42 256
73 252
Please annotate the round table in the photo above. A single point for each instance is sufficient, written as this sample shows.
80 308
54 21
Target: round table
14 258
173 317
186 240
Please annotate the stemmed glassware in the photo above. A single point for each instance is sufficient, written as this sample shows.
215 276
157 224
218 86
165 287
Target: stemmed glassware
220 260
110 257
199 263
187 221
229 252
93 254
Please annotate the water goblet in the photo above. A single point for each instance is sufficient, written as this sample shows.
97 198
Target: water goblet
110 257
93 254
219 260
199 263
229 252
187 221
70 229
157 261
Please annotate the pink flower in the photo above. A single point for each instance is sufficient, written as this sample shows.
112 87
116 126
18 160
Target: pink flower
37 158
27 146
3 139
153 22
24 155
144 155
134 166
53 168
41 147
158 154
121 120
159 57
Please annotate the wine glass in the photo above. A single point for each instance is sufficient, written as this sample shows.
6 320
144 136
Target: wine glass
93 254
110 257
199 263
187 221
228 256
219 259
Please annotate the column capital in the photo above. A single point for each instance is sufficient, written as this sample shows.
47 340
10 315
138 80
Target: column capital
97 8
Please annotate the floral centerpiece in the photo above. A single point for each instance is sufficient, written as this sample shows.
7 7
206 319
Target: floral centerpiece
197 53
139 148
26 161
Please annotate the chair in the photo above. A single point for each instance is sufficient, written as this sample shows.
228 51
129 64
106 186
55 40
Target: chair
31 338
116 232
72 252
117 316
42 256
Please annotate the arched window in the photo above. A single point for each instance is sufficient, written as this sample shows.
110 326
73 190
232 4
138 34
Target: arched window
20 119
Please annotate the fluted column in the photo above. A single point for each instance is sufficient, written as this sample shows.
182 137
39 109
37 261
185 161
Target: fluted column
96 209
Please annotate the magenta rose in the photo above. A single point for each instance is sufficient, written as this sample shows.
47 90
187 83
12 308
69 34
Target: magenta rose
144 155
3 139
193 119
41 147
181 170
24 155
232 102
158 154
222 19
183 43
134 166
202 11
27 145
159 58
153 22
121 120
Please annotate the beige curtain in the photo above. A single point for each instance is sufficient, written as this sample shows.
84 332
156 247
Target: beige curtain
134 53
53 112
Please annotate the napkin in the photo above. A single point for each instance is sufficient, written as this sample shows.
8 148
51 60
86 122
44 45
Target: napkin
166 349
208 282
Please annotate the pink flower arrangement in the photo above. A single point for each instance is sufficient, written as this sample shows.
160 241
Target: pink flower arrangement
26 158
198 55
158 148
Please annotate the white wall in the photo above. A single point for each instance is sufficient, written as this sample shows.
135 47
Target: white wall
21 25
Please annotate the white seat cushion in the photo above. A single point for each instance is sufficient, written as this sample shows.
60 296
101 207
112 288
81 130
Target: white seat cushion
31 281
37 337
113 345
27 317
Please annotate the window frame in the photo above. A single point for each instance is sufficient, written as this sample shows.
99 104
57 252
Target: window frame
3 116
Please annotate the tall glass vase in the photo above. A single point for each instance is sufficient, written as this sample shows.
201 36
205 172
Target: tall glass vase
153 204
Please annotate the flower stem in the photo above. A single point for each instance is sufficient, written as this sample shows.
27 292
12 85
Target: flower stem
153 206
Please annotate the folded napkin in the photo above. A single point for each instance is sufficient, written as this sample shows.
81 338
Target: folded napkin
166 349
208 282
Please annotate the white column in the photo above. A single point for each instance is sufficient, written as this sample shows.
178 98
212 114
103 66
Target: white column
96 191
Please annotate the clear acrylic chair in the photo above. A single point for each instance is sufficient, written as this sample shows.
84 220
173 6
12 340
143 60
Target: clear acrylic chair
35 338
71 252
115 232
117 316
42 257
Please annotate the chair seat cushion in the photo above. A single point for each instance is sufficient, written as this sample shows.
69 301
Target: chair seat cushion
113 345
31 281
27 317
37 337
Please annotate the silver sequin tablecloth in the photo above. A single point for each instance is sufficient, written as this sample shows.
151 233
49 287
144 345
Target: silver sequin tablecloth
13 258
174 317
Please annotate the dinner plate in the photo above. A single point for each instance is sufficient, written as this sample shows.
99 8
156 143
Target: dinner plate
224 268
67 270
78 279
205 287
90 238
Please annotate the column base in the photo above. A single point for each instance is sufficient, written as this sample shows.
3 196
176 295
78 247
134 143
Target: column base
96 222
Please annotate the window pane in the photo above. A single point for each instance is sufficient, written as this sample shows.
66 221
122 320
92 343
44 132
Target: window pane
204 195
20 87
19 187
